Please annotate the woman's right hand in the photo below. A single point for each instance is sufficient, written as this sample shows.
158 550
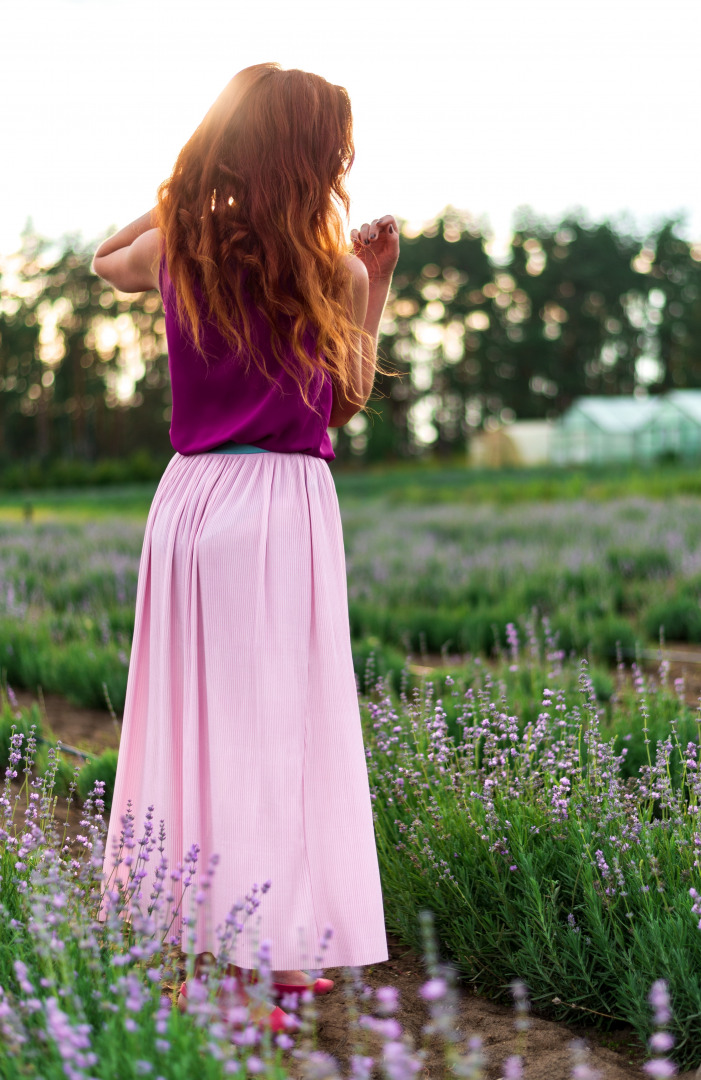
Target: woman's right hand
377 245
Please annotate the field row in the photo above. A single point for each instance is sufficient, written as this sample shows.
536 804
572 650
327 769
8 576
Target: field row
595 579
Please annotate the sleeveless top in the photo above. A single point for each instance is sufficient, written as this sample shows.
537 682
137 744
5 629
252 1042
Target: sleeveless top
217 401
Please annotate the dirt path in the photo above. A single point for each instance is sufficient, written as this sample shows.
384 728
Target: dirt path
92 730
684 663
545 1049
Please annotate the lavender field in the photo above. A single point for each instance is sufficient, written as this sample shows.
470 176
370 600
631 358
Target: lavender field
608 577
441 554
509 823
537 794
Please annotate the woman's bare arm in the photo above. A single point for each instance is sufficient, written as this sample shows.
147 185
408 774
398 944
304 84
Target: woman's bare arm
342 409
129 259
372 265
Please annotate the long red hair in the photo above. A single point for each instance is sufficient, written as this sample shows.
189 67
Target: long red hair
253 207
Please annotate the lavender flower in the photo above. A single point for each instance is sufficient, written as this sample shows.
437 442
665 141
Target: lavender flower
433 990
659 999
387 998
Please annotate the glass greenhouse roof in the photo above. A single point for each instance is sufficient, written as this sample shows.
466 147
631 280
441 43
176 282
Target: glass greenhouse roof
687 401
617 413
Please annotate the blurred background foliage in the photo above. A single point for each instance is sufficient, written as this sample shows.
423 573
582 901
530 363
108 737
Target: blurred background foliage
480 337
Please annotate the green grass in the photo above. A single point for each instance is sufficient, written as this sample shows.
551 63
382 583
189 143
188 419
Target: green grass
79 504
410 483
431 483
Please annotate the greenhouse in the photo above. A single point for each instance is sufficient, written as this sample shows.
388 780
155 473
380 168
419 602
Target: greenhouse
676 427
600 429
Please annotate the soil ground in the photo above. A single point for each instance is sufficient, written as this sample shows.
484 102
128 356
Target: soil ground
546 1053
616 1054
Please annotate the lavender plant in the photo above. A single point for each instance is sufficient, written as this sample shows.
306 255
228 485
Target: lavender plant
87 998
450 576
539 858
515 846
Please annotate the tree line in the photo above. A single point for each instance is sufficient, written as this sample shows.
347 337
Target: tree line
572 307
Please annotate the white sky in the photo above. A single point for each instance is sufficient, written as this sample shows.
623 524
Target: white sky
485 104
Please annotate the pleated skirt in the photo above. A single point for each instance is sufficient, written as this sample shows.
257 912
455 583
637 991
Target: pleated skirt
241 723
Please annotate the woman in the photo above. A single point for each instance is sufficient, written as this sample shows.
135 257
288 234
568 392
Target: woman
241 722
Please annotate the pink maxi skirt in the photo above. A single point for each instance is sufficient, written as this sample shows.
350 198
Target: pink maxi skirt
241 723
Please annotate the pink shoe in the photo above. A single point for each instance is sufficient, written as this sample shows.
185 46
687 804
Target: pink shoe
320 986
275 1021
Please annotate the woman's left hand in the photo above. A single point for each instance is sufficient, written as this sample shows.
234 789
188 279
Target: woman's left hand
377 245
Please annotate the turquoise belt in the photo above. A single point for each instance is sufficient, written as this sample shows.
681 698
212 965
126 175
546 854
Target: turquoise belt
236 448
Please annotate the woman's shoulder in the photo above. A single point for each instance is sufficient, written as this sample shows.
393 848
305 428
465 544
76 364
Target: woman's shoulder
356 266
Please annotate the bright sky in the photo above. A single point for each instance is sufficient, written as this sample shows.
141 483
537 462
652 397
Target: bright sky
485 104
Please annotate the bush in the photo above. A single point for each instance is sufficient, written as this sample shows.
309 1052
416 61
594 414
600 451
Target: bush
67 473
602 683
461 629
643 563
610 634
679 618
74 472
73 668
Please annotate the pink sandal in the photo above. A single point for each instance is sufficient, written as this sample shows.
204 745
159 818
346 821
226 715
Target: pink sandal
319 986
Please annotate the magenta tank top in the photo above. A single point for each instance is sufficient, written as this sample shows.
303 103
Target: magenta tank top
216 401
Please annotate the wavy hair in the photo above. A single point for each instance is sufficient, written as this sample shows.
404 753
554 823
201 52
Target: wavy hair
252 210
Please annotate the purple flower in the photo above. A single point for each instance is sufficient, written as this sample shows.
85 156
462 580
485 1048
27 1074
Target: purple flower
585 1072
512 1067
388 998
361 1067
21 973
602 864
434 989
399 1062
386 1029
660 1068
237 1015
248 1037
661 1042
320 1066
659 999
